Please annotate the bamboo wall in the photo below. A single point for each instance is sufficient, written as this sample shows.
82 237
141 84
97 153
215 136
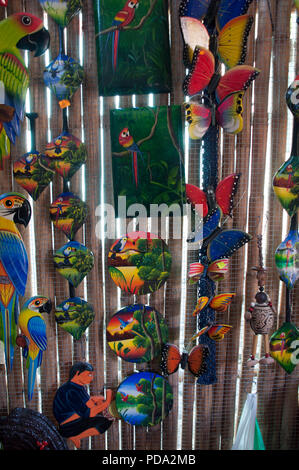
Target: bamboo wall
203 416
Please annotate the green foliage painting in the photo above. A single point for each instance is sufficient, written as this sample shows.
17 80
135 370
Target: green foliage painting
133 50
147 156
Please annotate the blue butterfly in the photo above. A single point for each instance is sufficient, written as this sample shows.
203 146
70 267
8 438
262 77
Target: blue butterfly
208 10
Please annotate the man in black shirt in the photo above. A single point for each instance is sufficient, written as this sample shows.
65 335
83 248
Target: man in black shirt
76 412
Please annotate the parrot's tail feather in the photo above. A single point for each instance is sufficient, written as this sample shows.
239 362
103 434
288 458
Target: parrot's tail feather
115 41
8 345
33 365
135 168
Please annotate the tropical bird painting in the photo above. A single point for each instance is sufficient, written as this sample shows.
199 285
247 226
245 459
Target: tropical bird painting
14 209
33 328
127 141
18 31
123 18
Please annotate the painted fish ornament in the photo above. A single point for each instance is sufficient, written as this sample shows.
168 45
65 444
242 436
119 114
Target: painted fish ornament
73 261
63 76
74 315
68 213
62 12
27 170
18 31
33 328
14 209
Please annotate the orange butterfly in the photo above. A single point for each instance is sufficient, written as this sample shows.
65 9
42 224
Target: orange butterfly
220 303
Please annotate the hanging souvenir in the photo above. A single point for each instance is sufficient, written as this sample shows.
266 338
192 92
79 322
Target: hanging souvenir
249 436
132 41
65 154
287 256
139 263
27 429
284 346
260 313
74 315
34 338
14 209
62 12
73 261
195 357
84 412
144 399
136 333
27 170
17 32
219 303
147 157
68 213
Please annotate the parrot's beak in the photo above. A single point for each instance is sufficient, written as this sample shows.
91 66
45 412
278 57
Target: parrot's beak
38 42
47 307
23 214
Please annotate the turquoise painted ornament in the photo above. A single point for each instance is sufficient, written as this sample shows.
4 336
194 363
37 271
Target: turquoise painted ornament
62 12
74 315
292 97
287 256
74 261
144 399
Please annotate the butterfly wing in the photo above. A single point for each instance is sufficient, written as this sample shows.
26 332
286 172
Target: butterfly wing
201 72
226 191
194 8
195 34
229 113
195 271
170 359
232 40
197 196
217 332
221 302
197 359
230 9
226 243
199 118
201 303
217 269
236 79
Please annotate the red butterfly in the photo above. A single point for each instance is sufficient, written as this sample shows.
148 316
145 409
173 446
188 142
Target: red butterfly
229 90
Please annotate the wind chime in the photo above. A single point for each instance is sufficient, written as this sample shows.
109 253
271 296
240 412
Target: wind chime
64 155
214 34
284 341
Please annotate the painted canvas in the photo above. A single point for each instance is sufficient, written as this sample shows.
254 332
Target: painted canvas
133 50
147 156
144 399
136 333
139 263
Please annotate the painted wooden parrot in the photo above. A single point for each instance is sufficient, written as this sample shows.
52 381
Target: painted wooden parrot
126 140
14 209
123 18
18 31
33 328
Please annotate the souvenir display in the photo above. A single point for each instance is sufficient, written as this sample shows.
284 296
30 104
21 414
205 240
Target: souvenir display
74 315
147 156
144 399
28 171
139 263
214 33
260 313
136 333
132 40
68 213
14 209
249 436
34 337
17 32
27 429
84 412
73 261
284 341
